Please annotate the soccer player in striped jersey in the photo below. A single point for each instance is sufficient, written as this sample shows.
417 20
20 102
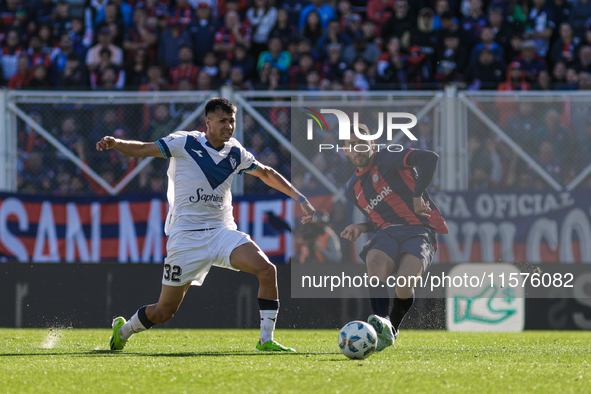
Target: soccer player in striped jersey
200 226
390 188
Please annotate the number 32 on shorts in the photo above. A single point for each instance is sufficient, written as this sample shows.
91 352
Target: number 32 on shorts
172 273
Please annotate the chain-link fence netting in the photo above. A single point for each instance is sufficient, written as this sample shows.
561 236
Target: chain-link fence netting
549 142
44 168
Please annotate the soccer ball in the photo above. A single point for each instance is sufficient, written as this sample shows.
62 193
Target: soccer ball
358 340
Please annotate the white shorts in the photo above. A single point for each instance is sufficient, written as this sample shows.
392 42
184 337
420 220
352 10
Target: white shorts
190 254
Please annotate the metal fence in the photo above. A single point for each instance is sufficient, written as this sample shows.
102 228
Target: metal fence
486 140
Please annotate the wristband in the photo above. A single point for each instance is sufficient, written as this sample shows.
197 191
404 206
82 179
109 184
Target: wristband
301 199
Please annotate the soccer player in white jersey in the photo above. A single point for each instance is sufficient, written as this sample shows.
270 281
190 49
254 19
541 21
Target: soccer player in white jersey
200 227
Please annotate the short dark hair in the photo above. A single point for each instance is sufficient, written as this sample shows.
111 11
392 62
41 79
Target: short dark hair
222 103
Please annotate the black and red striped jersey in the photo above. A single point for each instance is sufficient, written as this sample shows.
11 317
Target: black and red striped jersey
384 190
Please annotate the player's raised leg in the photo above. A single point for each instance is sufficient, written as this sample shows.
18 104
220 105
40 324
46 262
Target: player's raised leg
147 316
381 265
250 258
410 268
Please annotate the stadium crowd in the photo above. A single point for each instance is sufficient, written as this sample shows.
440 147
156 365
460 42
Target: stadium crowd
340 45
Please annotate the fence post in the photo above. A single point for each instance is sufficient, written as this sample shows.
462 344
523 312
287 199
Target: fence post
450 139
8 146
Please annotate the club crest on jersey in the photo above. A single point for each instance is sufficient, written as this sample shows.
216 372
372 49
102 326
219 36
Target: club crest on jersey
380 197
375 178
233 162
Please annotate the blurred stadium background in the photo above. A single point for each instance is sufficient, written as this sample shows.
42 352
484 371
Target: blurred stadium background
500 90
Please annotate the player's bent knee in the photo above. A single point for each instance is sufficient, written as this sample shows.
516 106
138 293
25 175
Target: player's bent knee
267 273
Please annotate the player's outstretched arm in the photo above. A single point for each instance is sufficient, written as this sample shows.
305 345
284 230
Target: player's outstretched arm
129 148
275 180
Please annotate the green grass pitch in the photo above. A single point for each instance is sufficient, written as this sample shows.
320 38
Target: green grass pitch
224 361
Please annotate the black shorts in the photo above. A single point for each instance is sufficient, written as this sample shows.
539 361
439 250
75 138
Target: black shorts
395 240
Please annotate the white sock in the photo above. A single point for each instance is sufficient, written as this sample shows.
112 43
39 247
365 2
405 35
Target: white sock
133 326
268 319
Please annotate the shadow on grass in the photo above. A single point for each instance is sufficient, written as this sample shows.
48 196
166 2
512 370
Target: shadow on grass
98 353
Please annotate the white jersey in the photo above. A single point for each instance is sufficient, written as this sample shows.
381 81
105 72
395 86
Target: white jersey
200 179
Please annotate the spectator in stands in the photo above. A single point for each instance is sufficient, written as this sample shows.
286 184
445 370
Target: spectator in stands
37 174
203 81
473 23
154 10
424 135
312 29
93 56
186 69
391 65
544 81
523 126
155 81
487 39
63 182
125 10
284 29
23 75
136 69
333 35
161 125
74 75
60 20
223 74
584 62
440 8
114 22
69 138
559 75
312 81
109 121
60 56
423 36
171 43
11 52
36 55
231 33
81 38
548 160
210 64
202 32
110 78
561 9
244 60
45 34
182 12
487 73
349 81
237 80
516 78
334 66
262 17
566 48
276 56
530 61
360 68
579 15
541 26
324 11
140 36
298 74
380 11
561 139
360 47
501 29
399 25
452 61
39 79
